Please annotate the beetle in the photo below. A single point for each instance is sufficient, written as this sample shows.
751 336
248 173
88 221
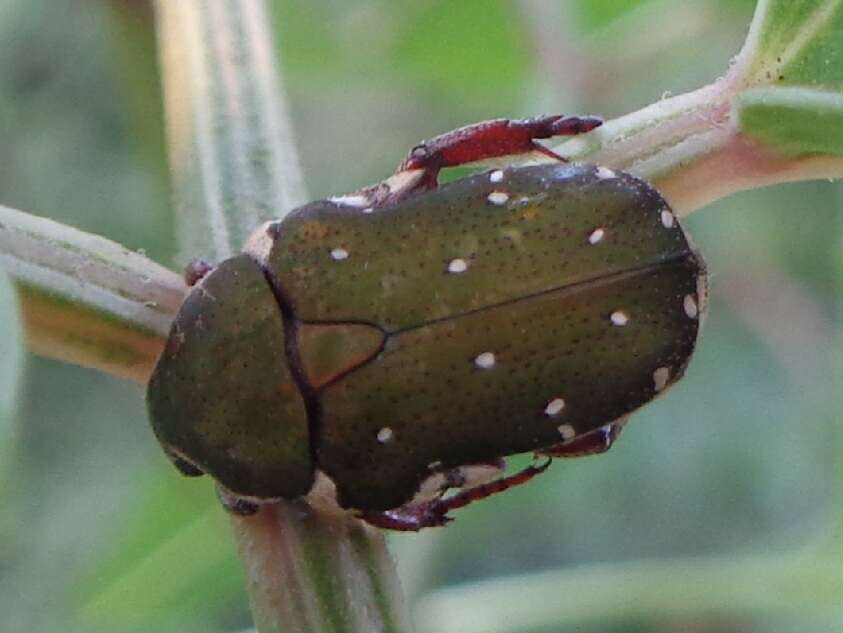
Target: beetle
402 340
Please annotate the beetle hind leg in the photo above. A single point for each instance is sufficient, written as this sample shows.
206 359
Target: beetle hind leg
434 513
493 139
477 142
595 442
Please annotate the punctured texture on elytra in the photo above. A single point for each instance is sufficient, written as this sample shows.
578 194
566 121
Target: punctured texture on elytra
539 240
539 294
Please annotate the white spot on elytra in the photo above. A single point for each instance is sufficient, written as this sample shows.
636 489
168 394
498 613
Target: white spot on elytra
667 219
498 197
368 210
457 266
690 305
339 254
660 377
486 360
384 435
554 407
604 173
596 236
567 431
619 318
496 176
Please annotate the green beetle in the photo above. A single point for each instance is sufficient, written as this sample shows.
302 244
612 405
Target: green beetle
402 340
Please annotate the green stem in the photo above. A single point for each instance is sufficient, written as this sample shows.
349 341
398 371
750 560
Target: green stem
310 566
310 570
232 157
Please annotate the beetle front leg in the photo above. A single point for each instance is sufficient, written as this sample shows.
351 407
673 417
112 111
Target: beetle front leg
412 518
492 139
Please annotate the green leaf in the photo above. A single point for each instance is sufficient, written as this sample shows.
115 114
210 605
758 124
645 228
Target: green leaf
794 120
175 559
798 42
795 77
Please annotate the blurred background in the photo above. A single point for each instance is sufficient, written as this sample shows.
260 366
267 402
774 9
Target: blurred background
99 533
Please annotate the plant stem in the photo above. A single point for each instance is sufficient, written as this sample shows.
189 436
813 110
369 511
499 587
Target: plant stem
85 299
691 146
232 156
309 570
310 566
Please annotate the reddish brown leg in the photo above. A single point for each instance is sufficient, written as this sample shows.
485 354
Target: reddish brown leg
195 270
593 443
412 518
492 139
470 144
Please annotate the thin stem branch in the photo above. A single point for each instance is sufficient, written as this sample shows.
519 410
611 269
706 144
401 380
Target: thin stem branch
691 146
85 299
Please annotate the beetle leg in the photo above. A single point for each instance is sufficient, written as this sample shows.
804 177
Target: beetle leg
470 495
234 504
593 443
492 139
409 518
195 270
476 474
434 513
470 144
414 517
442 479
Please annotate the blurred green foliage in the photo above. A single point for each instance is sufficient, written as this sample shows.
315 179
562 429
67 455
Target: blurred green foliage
101 534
